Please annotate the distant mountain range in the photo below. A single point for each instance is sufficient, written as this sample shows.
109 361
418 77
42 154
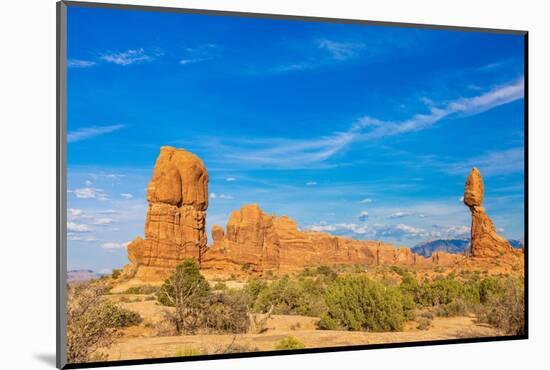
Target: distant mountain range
81 275
451 246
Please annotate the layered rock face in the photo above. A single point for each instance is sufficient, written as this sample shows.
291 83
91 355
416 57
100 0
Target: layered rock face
258 242
176 215
485 242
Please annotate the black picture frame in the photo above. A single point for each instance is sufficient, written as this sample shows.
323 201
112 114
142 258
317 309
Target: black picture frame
61 186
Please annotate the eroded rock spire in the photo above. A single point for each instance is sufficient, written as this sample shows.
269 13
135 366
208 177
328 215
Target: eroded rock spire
176 215
485 242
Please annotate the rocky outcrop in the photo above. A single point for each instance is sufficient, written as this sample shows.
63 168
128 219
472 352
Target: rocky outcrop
485 242
175 223
258 242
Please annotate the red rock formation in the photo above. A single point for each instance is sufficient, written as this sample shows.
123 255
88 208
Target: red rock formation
258 242
485 242
175 222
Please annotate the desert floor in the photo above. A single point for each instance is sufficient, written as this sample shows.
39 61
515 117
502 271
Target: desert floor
143 341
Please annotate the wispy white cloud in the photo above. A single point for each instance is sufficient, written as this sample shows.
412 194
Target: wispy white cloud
341 50
114 245
449 232
311 183
495 97
90 193
81 238
76 227
90 132
401 214
230 179
200 54
74 213
191 61
373 232
103 221
317 151
126 195
220 196
366 200
108 212
128 57
79 63
322 228
363 216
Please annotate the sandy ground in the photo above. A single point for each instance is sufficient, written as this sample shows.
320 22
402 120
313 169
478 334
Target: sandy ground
141 342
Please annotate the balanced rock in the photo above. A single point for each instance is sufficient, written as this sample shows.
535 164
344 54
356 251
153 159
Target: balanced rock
175 224
485 242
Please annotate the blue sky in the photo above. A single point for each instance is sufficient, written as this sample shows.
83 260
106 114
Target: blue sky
356 130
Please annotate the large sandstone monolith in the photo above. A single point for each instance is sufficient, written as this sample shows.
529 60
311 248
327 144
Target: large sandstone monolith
485 242
176 215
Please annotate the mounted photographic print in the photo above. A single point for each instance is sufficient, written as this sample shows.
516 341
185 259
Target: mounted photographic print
235 185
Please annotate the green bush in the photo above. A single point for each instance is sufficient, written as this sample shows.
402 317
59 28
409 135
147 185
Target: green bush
198 308
327 272
93 322
458 307
123 318
291 297
424 323
253 289
186 352
141 289
220 285
227 313
186 285
359 303
505 307
290 342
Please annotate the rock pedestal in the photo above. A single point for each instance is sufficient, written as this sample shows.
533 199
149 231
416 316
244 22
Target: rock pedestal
485 242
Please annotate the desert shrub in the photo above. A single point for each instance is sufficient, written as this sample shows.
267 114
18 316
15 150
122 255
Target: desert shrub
141 289
186 352
220 285
125 299
197 307
401 271
359 303
92 321
290 342
327 272
458 307
188 291
505 307
496 300
227 313
424 323
123 318
291 297
253 289
116 273
439 291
